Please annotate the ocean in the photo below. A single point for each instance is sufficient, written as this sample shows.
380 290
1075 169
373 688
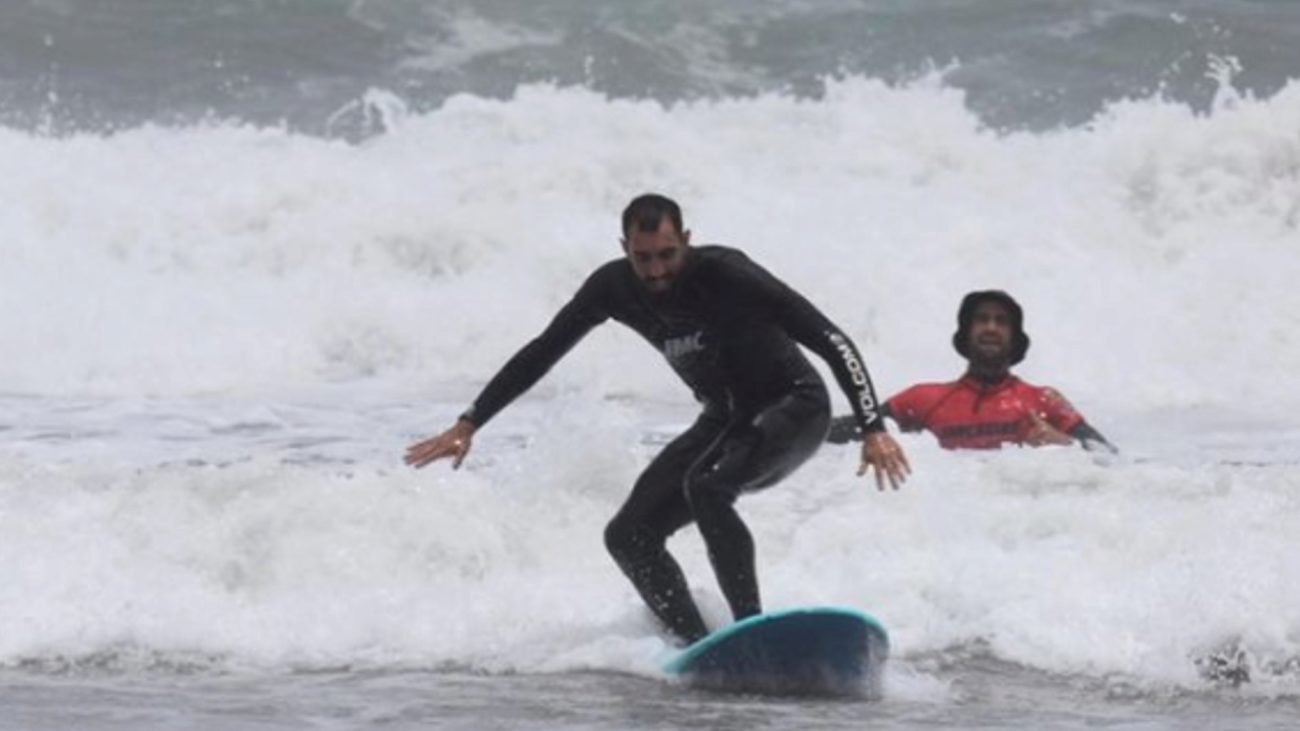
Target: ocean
253 248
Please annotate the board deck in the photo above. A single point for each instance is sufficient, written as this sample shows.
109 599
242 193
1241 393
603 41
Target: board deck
809 651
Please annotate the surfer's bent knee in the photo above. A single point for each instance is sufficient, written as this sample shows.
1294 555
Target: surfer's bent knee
627 540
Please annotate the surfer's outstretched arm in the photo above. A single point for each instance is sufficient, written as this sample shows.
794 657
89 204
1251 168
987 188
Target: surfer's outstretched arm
525 368
806 324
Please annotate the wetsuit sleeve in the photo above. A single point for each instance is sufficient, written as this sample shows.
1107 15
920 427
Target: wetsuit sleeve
1091 439
585 311
813 330
844 429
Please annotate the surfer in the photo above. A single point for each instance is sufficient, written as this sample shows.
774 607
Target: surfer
988 406
729 329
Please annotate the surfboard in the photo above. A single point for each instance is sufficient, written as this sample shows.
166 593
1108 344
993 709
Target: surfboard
829 651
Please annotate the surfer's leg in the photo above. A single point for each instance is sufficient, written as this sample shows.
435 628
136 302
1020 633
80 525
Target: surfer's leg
636 537
749 456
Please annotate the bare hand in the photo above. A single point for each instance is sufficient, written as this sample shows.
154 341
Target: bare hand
455 443
880 451
1042 433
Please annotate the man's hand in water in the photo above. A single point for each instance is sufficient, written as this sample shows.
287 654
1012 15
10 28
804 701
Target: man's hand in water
880 451
1041 433
454 443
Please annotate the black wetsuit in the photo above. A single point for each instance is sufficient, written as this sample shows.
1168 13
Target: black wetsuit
729 329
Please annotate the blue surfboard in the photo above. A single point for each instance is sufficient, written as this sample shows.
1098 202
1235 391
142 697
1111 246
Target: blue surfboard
815 651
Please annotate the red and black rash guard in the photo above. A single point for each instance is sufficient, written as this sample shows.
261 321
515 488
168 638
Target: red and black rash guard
727 327
971 414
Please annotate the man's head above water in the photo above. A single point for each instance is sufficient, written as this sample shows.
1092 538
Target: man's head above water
654 240
990 331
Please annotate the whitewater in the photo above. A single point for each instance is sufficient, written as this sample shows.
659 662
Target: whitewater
220 337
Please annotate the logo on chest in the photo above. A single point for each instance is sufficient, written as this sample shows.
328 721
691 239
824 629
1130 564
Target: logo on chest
683 345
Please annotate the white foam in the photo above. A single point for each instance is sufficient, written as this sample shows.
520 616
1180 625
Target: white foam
1046 557
1154 250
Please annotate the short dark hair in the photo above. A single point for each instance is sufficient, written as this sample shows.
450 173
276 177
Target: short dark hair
647 211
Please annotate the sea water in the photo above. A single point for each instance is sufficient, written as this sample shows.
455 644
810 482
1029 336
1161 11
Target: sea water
251 250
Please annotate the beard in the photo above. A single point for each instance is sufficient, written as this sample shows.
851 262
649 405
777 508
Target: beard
989 359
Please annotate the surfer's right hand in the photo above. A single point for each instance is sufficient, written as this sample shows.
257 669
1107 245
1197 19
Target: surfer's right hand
454 443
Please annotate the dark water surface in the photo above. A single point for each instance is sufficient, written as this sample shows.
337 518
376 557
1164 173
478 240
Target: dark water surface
101 64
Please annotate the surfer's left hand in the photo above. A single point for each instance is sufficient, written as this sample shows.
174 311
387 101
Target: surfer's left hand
881 452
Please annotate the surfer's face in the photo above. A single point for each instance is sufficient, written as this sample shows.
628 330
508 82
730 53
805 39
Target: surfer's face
990 334
657 256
